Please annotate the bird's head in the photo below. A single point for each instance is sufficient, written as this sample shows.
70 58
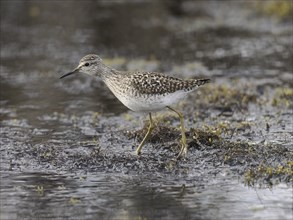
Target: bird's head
90 64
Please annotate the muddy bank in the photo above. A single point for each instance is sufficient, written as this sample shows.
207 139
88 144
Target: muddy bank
230 133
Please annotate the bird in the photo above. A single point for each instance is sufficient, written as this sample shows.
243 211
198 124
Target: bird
142 91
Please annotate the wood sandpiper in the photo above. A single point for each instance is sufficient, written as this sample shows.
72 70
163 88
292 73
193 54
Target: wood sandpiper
142 91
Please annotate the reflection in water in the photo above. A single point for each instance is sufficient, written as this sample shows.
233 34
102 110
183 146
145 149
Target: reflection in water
77 196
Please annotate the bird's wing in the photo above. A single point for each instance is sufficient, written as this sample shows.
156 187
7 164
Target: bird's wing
157 83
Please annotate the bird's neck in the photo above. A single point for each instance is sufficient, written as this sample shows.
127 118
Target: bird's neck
105 71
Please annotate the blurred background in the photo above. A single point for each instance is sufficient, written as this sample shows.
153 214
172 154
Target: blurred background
51 128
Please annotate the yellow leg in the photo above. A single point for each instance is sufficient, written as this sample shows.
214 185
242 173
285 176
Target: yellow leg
146 137
183 149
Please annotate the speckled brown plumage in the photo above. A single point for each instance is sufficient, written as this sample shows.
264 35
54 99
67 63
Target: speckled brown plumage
157 83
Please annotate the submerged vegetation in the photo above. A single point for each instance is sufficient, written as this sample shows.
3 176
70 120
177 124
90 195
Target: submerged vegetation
227 97
283 97
262 163
281 9
271 174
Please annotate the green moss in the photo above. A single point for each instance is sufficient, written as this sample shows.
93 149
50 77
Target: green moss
283 97
206 137
226 128
74 200
245 155
160 134
163 131
243 125
223 96
95 118
130 118
277 8
47 155
270 174
40 190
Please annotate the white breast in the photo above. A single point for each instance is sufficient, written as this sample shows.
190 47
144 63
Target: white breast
150 103
147 102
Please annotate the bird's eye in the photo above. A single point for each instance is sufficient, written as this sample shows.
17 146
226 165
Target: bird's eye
86 64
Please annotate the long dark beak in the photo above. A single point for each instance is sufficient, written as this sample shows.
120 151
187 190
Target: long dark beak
67 74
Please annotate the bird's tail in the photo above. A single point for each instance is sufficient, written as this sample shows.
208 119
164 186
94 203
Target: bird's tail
200 82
